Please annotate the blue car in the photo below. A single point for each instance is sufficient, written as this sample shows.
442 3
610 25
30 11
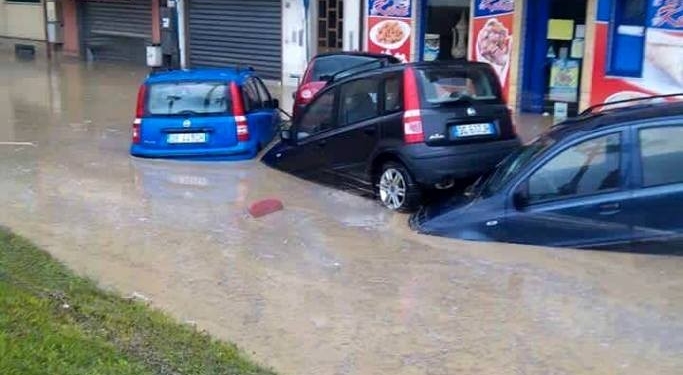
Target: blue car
205 114
606 180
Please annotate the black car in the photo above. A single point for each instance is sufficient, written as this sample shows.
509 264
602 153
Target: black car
606 180
397 130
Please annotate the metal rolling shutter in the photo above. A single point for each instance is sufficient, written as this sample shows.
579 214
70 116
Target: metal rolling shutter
117 30
237 32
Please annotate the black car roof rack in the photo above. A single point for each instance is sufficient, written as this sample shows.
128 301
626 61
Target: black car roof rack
592 109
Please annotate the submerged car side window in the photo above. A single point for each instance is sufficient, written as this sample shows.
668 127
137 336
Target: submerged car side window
661 153
359 101
590 167
319 116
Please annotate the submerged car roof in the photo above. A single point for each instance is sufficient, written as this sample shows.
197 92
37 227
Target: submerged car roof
616 116
204 74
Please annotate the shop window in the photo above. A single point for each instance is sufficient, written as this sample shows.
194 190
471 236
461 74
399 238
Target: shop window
330 25
628 38
446 32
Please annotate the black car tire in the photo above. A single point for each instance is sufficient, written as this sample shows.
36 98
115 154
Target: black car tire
401 178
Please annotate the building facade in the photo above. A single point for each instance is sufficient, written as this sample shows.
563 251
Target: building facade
550 55
22 22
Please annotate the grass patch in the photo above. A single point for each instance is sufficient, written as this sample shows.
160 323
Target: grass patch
54 322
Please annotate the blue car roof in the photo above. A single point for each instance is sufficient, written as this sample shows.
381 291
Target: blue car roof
217 74
617 116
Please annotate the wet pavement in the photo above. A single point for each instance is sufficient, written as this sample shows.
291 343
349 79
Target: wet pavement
333 284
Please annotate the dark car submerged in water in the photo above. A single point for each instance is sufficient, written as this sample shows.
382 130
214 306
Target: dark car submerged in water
606 180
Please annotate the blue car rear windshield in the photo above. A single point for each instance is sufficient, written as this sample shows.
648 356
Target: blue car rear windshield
188 98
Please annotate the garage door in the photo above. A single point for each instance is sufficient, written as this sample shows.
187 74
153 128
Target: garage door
237 32
116 30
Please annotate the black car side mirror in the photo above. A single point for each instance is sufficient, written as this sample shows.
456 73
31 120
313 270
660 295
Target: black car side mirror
521 196
275 103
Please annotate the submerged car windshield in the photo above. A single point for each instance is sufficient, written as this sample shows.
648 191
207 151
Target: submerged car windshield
513 164
182 98
445 85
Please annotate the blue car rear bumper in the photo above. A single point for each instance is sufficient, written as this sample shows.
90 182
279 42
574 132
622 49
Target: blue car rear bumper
240 151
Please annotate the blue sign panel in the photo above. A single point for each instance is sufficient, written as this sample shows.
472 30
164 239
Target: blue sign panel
666 14
390 8
486 8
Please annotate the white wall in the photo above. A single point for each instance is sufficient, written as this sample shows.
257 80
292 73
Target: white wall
294 42
22 20
352 24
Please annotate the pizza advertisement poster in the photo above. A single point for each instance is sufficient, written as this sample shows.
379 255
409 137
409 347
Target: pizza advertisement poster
390 29
492 33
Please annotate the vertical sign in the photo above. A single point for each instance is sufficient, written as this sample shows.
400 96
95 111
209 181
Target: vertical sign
492 30
390 28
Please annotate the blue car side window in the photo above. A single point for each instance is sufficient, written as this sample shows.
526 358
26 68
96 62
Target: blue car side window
591 167
252 101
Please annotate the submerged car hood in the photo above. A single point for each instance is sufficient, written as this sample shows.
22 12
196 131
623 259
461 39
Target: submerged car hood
429 218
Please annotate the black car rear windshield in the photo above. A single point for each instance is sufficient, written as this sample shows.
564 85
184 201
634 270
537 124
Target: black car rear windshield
330 65
183 98
445 85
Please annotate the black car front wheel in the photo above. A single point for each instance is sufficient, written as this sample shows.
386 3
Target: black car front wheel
397 190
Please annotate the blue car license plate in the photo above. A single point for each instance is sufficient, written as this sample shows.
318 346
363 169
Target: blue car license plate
472 130
187 138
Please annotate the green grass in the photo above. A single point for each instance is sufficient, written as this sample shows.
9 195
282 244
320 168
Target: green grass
54 322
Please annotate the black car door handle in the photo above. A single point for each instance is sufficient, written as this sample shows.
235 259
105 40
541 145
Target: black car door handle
322 143
610 208
369 131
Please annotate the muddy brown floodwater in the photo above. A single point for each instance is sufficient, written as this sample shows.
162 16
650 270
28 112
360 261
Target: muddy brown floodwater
331 285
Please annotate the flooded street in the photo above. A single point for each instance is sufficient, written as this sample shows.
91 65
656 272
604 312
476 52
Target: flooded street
333 284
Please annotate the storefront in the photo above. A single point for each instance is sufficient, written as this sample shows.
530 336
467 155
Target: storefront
638 49
236 33
445 29
426 30
553 52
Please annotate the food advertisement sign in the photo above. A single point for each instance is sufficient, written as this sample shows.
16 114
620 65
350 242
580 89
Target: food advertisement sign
492 31
564 80
389 26
662 66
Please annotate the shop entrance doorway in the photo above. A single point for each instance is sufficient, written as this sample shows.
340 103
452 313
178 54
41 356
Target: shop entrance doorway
446 29
553 55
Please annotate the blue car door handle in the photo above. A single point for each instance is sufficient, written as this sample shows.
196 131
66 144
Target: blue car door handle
609 208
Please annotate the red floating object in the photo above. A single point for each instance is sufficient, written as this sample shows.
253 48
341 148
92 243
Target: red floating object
265 207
